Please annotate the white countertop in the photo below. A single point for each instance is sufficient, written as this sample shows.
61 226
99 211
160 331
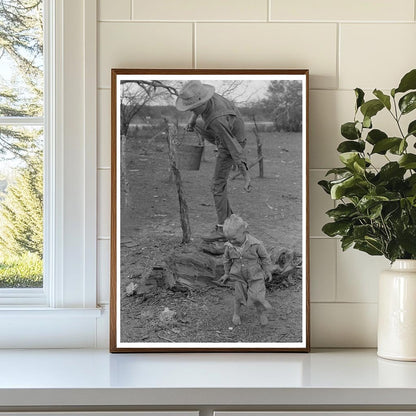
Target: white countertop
96 377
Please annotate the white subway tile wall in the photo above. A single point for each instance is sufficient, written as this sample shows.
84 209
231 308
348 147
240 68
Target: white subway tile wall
323 269
270 45
352 10
200 10
104 128
344 44
103 270
319 203
366 51
114 10
343 325
357 275
104 202
142 45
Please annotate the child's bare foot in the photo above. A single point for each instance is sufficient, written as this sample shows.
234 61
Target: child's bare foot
263 319
267 305
236 319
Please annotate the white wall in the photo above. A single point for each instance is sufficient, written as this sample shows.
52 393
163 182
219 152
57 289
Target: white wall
345 44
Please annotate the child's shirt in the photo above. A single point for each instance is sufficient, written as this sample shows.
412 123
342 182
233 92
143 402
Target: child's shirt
248 262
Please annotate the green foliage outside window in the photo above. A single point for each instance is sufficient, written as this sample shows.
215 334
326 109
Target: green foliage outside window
21 147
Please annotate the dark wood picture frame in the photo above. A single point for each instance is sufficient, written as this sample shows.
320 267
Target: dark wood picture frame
136 286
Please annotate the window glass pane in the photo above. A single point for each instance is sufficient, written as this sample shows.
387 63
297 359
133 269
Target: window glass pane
21 210
21 58
21 145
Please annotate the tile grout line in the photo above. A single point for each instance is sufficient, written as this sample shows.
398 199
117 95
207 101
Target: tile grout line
355 302
338 65
336 271
225 21
194 62
131 9
269 10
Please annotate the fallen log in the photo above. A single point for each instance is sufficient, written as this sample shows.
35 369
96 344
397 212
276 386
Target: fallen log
194 268
197 266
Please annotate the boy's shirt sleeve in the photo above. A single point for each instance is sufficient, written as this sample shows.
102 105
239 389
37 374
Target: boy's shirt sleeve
227 260
265 260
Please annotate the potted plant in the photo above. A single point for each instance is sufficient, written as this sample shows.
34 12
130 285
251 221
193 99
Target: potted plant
376 206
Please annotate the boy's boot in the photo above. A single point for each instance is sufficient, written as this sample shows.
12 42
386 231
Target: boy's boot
217 234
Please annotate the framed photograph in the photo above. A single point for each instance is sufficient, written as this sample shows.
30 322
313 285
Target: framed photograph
209 215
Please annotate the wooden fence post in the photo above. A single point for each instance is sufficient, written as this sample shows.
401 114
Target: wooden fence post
125 189
183 206
259 148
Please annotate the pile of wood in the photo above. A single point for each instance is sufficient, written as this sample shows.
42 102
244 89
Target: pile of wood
196 266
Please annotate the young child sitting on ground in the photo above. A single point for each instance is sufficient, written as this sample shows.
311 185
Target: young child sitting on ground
247 264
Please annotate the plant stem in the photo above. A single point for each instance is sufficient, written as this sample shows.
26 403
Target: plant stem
397 118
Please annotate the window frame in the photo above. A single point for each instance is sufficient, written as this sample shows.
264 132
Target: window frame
38 296
28 318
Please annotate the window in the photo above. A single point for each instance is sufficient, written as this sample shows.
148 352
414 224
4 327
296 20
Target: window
22 132
63 313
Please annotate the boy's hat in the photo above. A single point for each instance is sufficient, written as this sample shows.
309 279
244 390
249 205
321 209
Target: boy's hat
232 224
193 94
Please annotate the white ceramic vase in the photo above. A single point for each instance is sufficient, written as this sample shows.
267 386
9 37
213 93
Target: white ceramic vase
397 312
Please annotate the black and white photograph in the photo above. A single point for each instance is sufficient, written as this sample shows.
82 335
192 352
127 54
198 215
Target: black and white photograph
209 218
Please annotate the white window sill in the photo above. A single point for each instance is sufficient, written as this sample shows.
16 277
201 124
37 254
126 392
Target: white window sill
330 379
40 327
36 312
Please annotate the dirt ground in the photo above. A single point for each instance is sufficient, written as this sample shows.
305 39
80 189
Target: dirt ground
150 229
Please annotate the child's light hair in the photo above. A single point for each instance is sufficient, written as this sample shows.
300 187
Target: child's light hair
233 224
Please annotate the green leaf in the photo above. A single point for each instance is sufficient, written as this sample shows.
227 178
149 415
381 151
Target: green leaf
385 99
391 170
398 149
368 248
342 211
338 189
408 82
346 242
369 201
374 242
349 131
383 145
408 161
325 186
411 130
338 171
367 122
359 165
349 146
361 231
393 250
408 102
359 94
371 108
353 188
336 228
375 212
407 240
348 158
374 136
411 183
403 146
